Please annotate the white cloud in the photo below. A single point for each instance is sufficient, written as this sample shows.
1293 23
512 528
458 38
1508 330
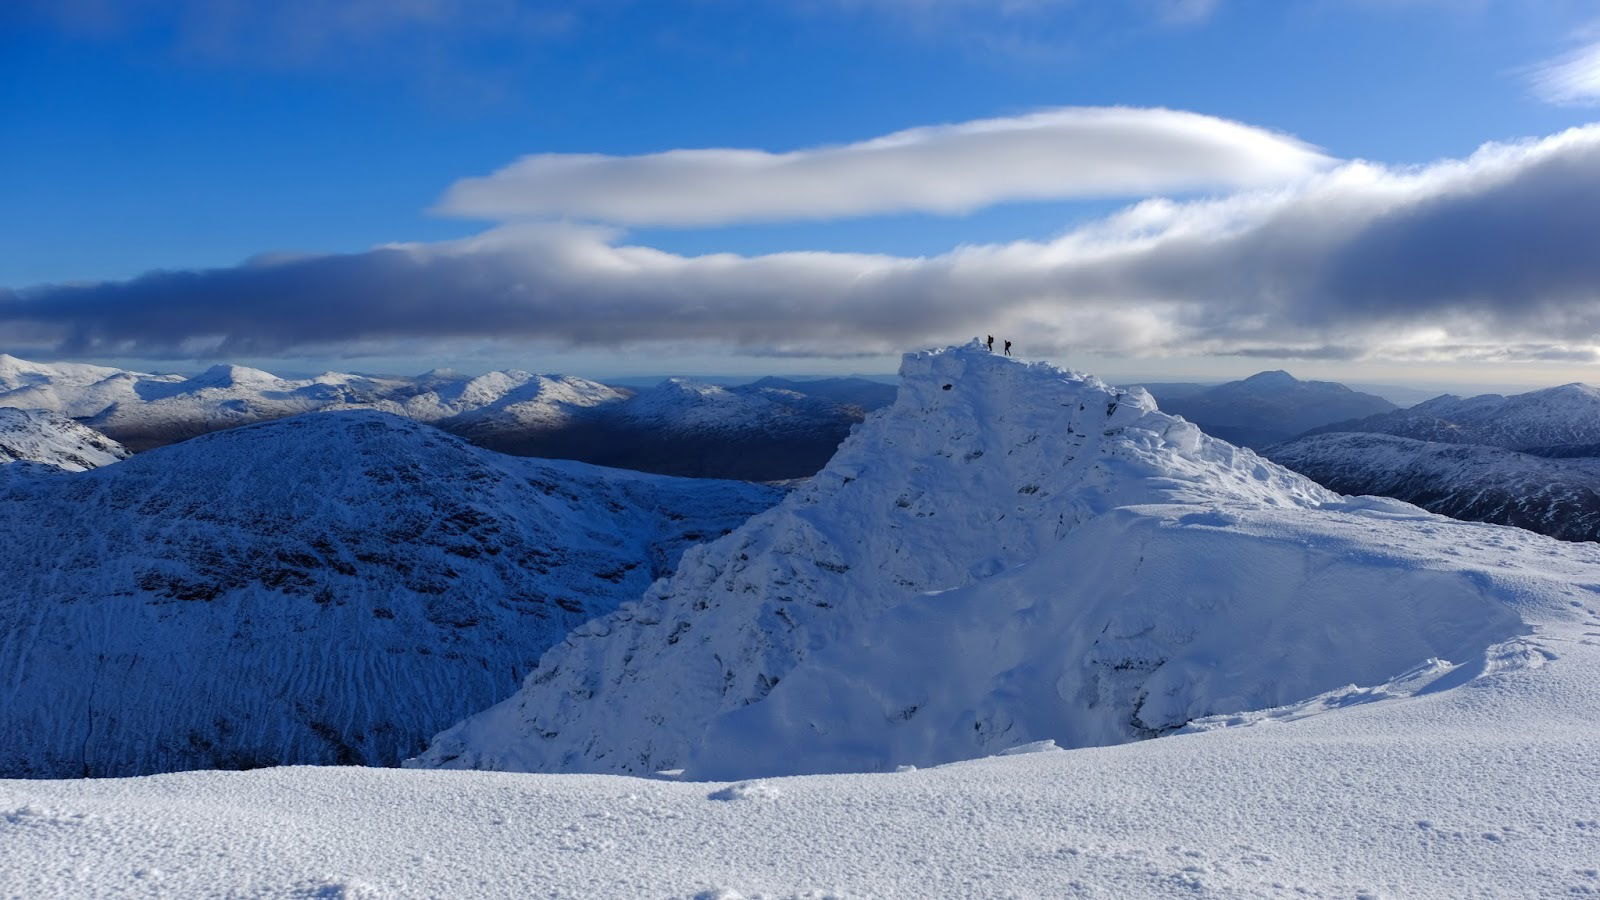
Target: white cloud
1487 258
1569 80
948 169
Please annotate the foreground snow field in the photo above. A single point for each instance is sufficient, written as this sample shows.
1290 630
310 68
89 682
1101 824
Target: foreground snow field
1488 788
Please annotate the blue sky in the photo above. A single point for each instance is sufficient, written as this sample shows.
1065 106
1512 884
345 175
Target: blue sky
147 135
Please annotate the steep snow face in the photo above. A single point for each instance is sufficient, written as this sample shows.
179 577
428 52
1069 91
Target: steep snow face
1557 497
36 435
1145 619
983 464
1268 407
329 588
1543 421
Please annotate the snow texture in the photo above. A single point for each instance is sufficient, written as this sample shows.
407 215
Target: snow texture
958 554
328 588
1010 553
39 436
1557 497
1476 780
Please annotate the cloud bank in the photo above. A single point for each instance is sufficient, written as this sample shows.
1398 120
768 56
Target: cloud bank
1491 257
1054 154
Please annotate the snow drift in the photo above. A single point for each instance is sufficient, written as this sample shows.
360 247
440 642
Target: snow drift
1009 553
329 588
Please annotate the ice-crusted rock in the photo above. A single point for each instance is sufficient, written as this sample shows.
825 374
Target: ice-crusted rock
982 465
328 588
39 436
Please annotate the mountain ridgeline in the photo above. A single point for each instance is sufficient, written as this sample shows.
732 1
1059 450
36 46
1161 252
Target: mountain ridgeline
768 430
1527 460
1009 553
331 588
1267 407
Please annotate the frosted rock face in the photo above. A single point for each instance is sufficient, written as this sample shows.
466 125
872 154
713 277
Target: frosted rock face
39 436
328 588
982 465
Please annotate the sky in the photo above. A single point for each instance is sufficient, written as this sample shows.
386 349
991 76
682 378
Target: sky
1366 190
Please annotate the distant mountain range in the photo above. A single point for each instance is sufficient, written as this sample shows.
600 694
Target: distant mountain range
1526 459
330 588
1265 408
1558 421
1557 497
770 429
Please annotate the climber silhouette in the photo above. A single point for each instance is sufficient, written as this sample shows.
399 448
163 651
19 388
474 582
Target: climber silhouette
990 343
1008 348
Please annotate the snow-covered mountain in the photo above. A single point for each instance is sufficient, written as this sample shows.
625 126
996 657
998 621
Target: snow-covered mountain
1266 407
772 429
1557 497
1550 422
1009 553
327 588
39 436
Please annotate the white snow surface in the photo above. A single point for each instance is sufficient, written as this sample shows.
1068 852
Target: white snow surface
1010 553
1450 787
1456 760
40 436
333 587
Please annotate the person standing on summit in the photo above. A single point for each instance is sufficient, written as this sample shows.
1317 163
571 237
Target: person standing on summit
990 343
1008 348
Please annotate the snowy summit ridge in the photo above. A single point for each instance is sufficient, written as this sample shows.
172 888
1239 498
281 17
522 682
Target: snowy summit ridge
1084 533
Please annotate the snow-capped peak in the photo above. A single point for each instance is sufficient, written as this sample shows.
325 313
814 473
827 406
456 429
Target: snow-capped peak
980 465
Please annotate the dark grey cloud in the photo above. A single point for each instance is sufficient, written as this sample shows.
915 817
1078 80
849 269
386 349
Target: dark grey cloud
1491 257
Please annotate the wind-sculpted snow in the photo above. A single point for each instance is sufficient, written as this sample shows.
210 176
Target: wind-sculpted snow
329 588
982 464
38 436
1544 422
1557 497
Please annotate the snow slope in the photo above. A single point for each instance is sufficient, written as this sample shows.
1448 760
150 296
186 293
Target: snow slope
1101 558
35 435
1268 407
1543 421
1475 781
328 588
1557 497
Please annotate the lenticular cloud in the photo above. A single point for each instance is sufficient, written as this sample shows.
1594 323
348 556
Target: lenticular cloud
1054 154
